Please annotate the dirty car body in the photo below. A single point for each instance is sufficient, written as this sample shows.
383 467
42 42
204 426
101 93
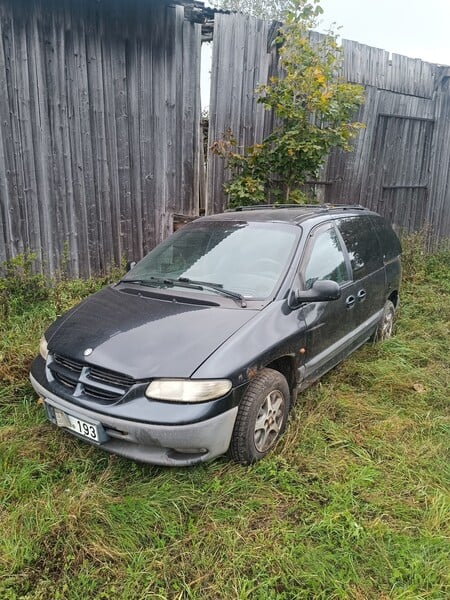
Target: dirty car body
203 346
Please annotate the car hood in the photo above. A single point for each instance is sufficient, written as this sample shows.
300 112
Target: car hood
144 336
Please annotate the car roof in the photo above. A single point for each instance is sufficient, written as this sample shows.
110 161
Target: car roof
288 213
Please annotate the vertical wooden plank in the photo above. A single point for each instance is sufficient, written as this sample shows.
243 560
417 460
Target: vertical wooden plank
10 133
198 182
5 224
213 161
159 126
94 143
189 140
178 198
102 232
169 112
76 98
57 197
30 228
264 58
224 106
82 148
133 83
113 199
65 241
122 141
147 139
41 140
7 237
18 142
247 99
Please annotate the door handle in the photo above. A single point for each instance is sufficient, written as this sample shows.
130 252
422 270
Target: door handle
350 301
361 295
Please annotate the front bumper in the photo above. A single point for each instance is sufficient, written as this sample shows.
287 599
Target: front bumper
168 445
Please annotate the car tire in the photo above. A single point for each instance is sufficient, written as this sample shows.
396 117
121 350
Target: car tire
261 418
385 327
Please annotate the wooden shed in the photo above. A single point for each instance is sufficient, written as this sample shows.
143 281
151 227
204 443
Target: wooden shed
100 140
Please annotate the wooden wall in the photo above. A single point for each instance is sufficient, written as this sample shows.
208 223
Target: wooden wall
99 128
400 165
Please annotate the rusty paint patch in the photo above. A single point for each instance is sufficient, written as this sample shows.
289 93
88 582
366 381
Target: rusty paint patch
251 372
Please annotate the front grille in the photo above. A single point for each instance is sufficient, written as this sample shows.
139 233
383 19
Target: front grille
110 377
89 381
68 363
65 381
100 394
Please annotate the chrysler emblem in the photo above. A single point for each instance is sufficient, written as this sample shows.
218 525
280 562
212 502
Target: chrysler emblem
88 352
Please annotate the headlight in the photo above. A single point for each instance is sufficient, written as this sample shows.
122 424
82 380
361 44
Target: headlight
187 390
43 350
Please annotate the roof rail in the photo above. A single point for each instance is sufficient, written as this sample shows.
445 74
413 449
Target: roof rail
316 206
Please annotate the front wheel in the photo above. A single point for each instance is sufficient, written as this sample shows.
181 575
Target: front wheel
261 417
385 327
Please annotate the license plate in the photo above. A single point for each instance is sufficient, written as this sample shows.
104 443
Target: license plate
83 428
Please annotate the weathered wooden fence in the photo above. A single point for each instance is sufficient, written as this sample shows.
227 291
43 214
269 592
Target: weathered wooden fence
100 143
400 165
99 128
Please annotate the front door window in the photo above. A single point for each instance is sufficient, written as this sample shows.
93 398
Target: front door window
326 260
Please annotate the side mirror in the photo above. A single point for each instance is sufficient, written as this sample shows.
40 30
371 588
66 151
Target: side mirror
321 291
130 265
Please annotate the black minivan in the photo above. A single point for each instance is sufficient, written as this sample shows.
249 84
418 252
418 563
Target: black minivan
205 343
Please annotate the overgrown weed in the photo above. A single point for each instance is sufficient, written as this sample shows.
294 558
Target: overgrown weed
20 286
28 304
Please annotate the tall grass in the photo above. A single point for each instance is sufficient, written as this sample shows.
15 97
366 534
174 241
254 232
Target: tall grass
353 503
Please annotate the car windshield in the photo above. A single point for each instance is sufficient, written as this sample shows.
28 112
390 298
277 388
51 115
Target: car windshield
244 258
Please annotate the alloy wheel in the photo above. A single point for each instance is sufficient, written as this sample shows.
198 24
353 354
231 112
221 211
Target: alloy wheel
269 420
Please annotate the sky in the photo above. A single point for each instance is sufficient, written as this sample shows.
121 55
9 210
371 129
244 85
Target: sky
415 28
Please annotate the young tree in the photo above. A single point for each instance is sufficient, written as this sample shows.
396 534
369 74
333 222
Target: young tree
313 108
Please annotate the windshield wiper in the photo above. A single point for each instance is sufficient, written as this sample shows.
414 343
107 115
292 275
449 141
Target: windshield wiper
216 287
149 281
188 283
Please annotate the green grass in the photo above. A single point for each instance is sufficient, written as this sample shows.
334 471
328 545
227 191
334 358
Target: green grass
353 503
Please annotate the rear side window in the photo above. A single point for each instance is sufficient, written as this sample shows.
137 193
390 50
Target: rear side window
326 259
390 244
362 245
